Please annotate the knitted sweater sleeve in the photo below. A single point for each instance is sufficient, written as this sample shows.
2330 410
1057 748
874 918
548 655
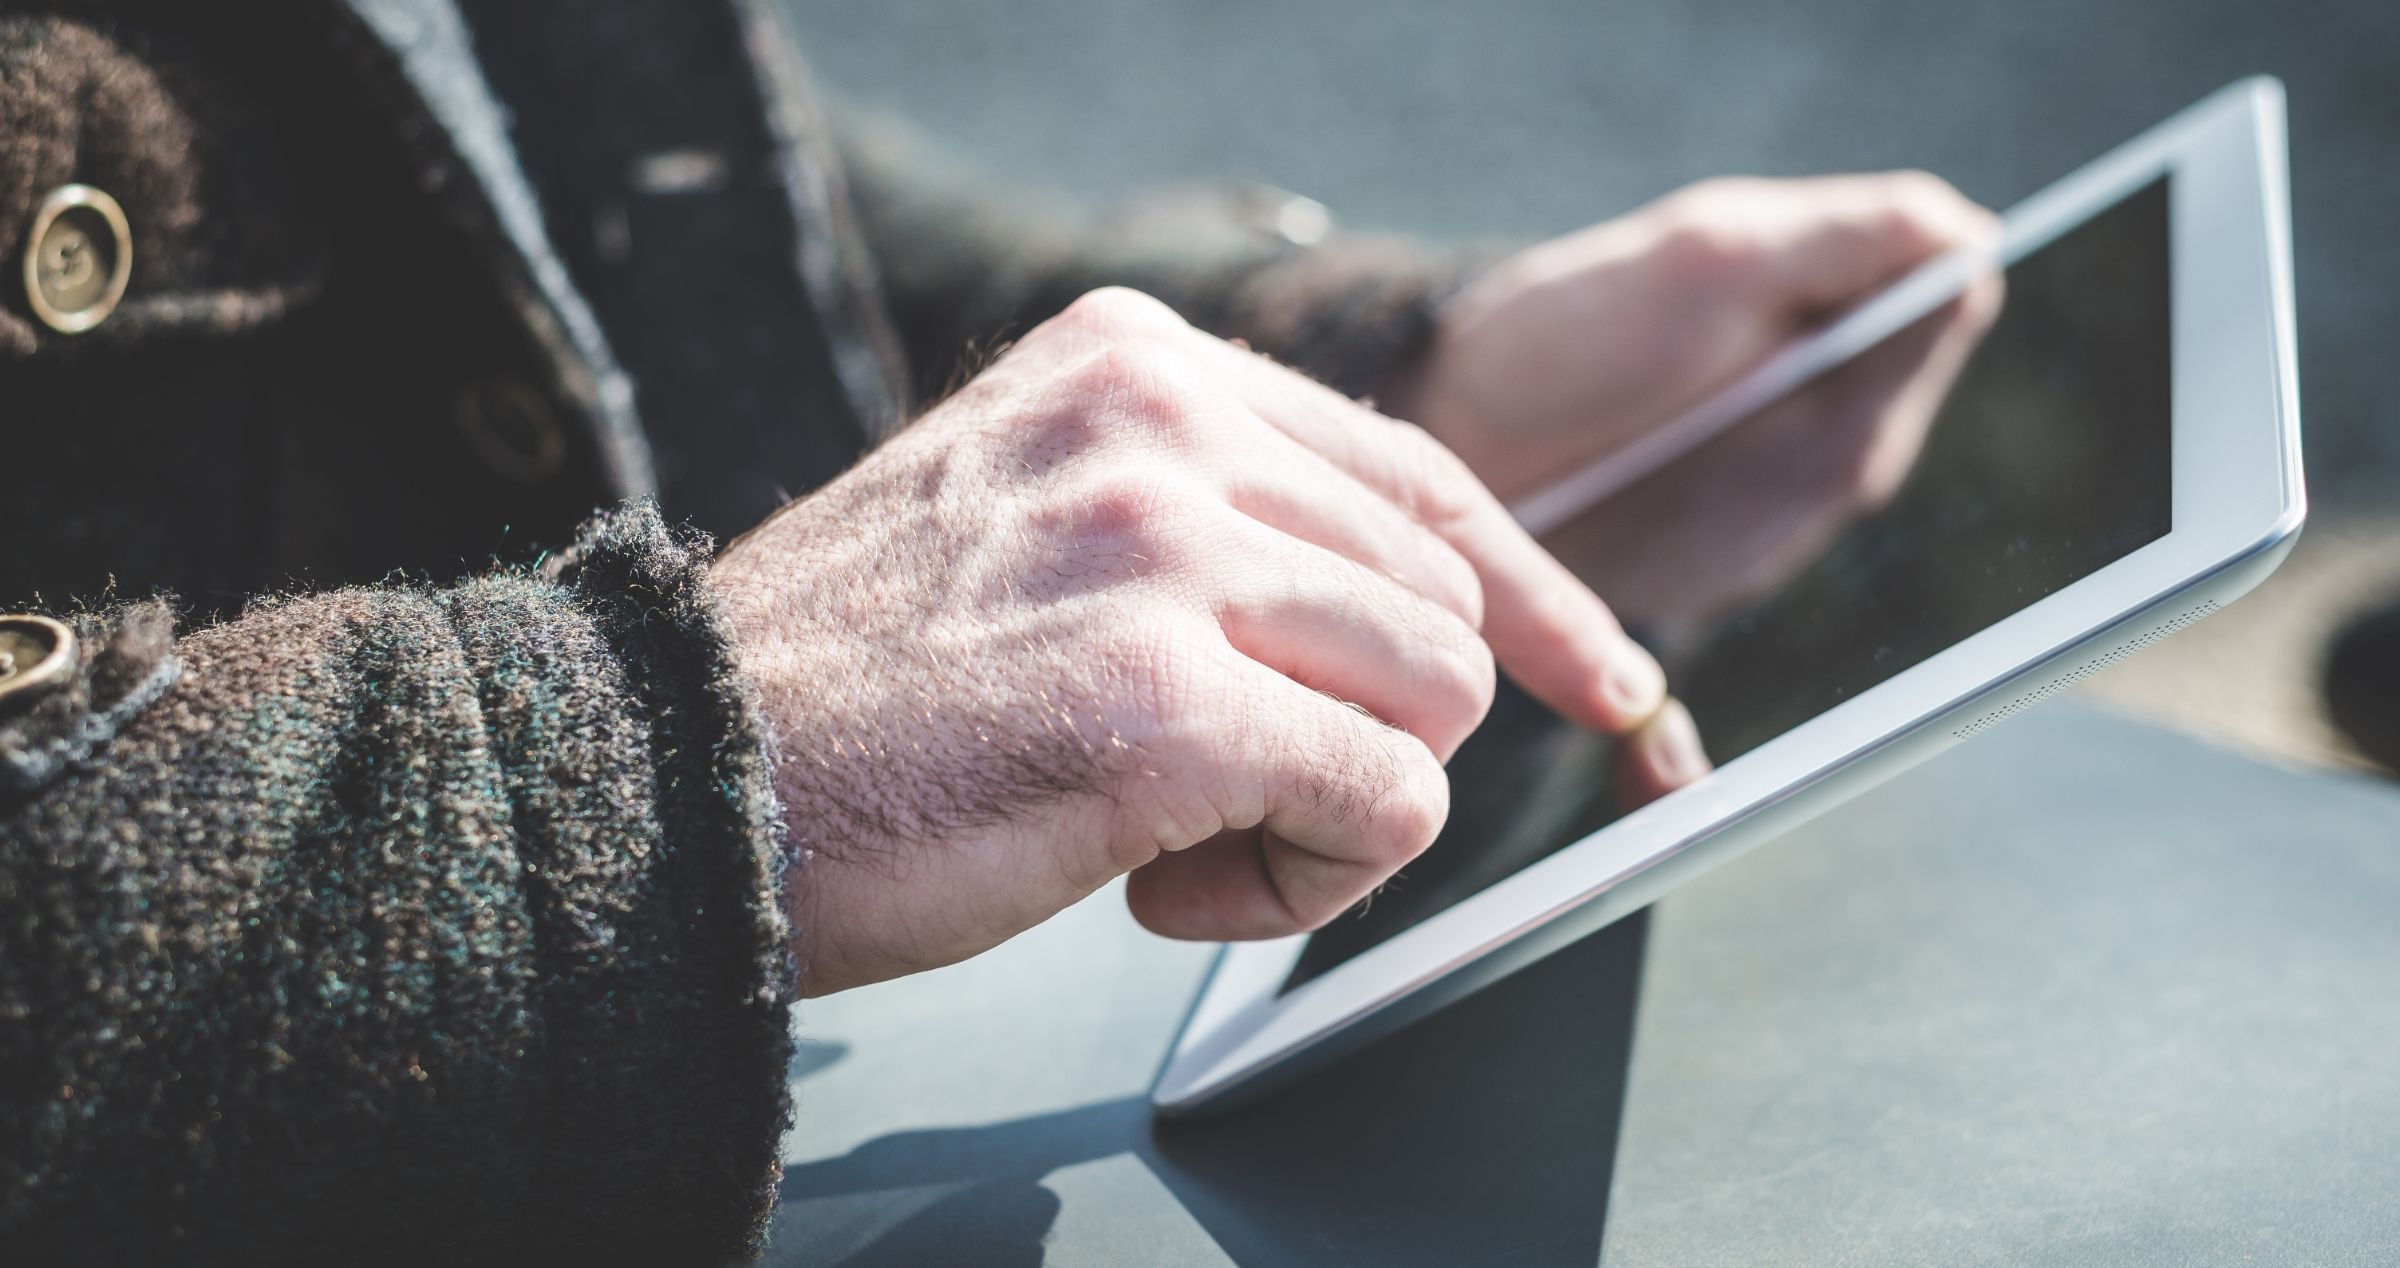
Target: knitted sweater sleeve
968 263
436 925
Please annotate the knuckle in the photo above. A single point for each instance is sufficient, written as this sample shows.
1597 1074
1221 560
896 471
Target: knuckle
1441 490
1108 374
1442 579
1413 805
1916 185
1700 245
1117 311
1470 673
1924 207
1138 388
1697 198
1460 582
1122 514
1459 676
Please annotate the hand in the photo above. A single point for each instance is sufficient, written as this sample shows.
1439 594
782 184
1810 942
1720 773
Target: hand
1576 347
1140 601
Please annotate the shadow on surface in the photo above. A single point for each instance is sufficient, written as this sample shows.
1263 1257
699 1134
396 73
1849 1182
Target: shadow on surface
1483 1134
814 1056
1000 1224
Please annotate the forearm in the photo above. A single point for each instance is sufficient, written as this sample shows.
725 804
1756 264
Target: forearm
968 263
436 920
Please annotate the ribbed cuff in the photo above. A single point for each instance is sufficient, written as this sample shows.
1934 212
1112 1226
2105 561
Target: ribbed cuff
666 976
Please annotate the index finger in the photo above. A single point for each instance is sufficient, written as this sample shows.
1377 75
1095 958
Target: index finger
1545 627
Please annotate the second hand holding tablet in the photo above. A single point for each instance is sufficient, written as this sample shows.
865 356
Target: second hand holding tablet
1927 288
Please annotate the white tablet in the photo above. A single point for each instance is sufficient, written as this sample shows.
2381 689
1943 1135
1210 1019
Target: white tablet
2119 458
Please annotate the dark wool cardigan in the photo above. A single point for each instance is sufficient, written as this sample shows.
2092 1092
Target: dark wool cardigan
419 898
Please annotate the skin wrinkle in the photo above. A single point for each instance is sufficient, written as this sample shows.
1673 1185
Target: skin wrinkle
923 783
847 801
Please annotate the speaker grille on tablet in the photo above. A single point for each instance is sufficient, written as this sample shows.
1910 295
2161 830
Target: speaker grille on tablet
2079 673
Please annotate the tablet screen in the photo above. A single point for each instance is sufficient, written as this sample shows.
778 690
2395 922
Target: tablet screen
2049 459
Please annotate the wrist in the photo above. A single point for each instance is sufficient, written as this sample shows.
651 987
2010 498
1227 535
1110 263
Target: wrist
1424 389
1439 394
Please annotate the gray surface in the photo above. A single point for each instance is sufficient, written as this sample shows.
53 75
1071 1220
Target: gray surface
2093 994
1535 116
2081 992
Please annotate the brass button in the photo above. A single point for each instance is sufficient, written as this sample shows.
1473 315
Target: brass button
36 654
78 257
512 428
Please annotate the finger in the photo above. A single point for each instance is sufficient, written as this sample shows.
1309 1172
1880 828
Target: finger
1335 626
1827 242
1918 389
1664 755
1343 802
1875 412
1548 629
1781 486
1261 470
1962 324
1217 891
1299 493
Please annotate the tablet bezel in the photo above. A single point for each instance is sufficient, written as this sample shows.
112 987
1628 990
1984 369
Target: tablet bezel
2238 502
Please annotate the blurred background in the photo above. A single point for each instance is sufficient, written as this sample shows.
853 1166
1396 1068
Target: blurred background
1527 118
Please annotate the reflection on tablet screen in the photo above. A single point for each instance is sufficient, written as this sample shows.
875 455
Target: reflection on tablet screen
2049 460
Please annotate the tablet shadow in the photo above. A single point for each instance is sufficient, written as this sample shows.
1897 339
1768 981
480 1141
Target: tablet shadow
942 1196
1484 1133
1000 1224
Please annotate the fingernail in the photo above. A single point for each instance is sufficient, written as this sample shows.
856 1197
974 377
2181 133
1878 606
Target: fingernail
1674 742
1633 683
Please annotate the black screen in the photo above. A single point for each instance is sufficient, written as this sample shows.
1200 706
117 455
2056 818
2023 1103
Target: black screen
2049 459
